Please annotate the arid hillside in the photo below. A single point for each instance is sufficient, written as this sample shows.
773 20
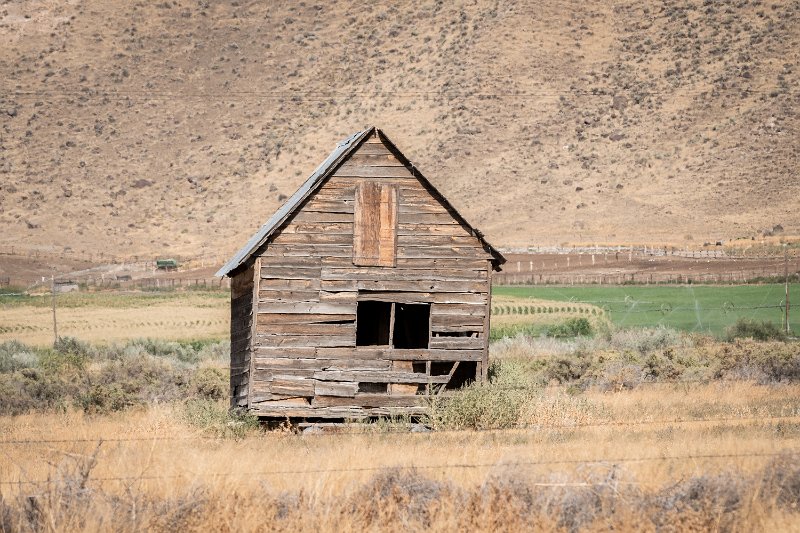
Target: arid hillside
178 127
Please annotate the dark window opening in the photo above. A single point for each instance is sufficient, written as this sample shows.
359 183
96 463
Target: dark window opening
418 367
373 388
411 325
464 375
439 368
373 321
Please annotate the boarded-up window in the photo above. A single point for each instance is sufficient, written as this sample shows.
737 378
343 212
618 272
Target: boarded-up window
375 229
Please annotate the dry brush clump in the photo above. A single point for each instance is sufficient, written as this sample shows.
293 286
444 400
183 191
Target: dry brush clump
99 379
409 499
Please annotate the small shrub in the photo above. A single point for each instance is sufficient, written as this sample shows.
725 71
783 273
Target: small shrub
210 384
573 327
753 329
214 417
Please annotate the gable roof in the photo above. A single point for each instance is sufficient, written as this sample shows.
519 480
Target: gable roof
325 169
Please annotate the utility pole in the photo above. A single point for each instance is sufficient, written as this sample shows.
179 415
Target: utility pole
55 325
786 286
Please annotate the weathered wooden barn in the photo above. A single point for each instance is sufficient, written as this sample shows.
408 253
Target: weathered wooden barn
364 292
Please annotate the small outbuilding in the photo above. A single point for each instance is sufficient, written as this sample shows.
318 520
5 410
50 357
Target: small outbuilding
365 292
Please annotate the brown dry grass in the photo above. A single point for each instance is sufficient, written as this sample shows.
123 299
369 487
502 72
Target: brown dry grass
314 481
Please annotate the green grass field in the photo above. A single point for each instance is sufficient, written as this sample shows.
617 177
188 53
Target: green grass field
701 308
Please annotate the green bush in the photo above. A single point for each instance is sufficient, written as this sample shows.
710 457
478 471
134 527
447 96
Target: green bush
573 327
210 383
754 329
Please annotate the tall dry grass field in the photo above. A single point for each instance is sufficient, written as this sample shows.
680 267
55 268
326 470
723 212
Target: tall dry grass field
661 457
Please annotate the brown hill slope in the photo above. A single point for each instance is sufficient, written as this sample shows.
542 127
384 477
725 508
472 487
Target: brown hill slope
178 126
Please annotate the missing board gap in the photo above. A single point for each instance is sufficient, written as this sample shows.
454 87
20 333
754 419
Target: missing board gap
373 388
472 334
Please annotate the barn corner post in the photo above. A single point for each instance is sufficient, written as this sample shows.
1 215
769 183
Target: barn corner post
487 322
253 329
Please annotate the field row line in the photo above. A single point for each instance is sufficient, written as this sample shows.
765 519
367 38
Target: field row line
435 432
447 466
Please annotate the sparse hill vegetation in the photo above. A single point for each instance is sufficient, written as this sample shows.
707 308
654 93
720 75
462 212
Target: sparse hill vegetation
182 125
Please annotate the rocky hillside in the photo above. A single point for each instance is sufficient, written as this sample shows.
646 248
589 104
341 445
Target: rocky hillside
180 126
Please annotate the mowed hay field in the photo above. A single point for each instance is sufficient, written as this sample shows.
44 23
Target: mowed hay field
697 458
108 317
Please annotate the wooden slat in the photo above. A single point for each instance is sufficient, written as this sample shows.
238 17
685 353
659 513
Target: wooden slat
320 227
290 261
313 238
278 272
320 308
367 400
306 329
329 206
450 241
363 171
377 353
369 376
457 343
282 284
305 340
303 318
458 309
441 251
427 218
333 388
440 321
400 273
305 250
295 387
372 148
425 297
287 296
322 217
422 286
384 159
418 228
351 413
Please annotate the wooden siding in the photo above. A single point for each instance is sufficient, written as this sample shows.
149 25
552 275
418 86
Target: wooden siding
241 335
305 359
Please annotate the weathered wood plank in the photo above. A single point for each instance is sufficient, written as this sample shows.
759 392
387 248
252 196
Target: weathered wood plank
383 159
369 376
457 343
265 296
306 329
306 352
282 284
367 400
399 273
419 228
290 261
363 171
333 388
305 340
321 217
320 308
304 250
449 241
458 309
439 322
313 238
320 227
351 413
329 206
391 354
304 318
424 297
421 286
428 218
294 387
441 251
278 272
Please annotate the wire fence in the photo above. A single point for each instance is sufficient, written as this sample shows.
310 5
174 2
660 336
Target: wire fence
444 466
366 429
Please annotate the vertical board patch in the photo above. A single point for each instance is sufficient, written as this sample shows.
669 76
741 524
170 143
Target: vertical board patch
375 228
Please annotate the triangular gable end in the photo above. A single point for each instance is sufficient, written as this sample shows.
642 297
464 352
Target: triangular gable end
329 167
